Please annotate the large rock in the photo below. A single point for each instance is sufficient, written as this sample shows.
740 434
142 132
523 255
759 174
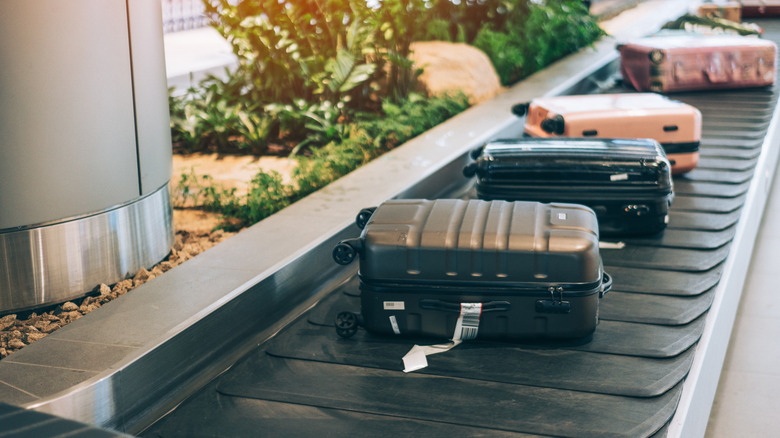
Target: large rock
449 67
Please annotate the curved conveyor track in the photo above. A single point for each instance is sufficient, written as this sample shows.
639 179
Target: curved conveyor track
627 381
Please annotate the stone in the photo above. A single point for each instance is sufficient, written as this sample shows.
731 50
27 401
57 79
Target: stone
69 307
7 321
50 327
121 287
16 344
103 289
32 337
448 67
42 324
72 316
142 275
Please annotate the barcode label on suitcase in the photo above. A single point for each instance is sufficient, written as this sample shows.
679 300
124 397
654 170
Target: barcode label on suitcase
393 305
468 321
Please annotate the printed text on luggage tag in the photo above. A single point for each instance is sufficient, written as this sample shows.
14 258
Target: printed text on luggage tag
467 325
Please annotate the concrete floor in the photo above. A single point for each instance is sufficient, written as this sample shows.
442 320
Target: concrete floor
748 394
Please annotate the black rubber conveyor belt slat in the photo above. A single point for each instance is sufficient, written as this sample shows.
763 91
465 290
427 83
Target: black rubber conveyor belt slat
654 309
732 163
702 221
457 401
684 186
750 145
623 381
731 176
686 203
534 365
659 282
684 238
670 259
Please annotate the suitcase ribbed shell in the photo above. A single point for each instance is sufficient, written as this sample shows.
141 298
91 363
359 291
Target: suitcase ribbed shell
450 241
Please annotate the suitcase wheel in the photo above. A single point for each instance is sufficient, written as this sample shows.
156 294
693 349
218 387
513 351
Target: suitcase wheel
554 125
362 218
520 109
344 253
346 324
476 152
470 170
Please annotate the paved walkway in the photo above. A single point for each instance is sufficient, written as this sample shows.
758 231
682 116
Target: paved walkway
747 398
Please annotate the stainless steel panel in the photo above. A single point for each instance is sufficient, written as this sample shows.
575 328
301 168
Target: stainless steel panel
150 91
67 142
61 261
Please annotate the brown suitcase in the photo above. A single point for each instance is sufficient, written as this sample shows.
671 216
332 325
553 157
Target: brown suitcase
730 10
760 8
517 269
671 63
676 125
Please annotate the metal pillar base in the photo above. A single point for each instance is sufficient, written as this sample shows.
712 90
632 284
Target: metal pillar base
52 263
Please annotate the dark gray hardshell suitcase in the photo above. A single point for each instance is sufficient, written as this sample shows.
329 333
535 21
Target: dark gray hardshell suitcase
626 182
534 269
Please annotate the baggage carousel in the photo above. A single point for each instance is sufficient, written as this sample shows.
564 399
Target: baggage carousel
628 380
239 341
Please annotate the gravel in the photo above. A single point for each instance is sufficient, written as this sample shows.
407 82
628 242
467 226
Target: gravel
23 328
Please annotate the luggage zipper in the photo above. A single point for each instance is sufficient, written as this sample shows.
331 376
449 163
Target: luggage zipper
555 304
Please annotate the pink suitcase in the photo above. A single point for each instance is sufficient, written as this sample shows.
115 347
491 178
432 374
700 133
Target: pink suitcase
691 62
676 125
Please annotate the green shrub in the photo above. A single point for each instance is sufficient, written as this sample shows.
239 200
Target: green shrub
535 36
330 80
367 138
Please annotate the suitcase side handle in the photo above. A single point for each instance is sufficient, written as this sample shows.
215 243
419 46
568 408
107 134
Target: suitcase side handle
448 306
606 284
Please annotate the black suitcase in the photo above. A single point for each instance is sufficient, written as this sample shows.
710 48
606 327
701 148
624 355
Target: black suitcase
462 269
626 182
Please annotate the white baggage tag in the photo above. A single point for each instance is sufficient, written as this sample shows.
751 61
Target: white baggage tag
416 359
468 322
611 245
465 329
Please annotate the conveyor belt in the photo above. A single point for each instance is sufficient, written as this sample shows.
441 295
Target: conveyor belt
625 381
